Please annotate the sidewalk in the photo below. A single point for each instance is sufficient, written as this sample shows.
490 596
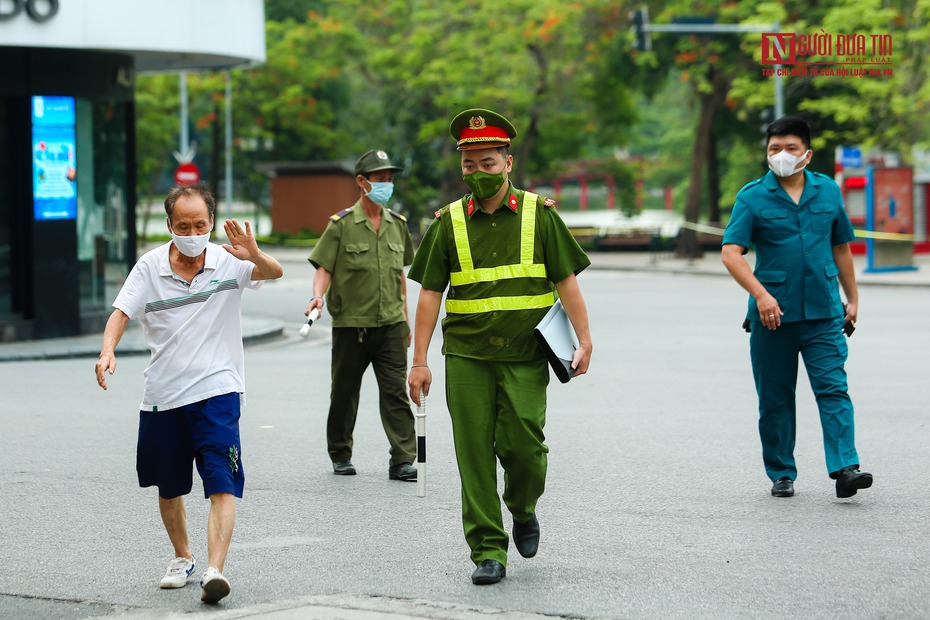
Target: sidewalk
711 265
256 329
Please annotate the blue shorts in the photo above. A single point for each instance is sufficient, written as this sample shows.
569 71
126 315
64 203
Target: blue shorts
206 432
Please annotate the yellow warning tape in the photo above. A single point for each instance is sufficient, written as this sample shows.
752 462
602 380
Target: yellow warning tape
861 234
874 234
713 230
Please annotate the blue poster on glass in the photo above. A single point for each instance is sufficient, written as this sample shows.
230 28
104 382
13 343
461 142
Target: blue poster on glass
54 187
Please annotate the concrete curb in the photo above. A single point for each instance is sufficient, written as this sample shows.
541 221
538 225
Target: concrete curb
346 607
254 329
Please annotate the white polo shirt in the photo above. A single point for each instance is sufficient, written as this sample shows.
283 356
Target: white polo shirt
193 330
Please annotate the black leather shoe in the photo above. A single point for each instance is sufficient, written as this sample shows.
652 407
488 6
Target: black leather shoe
402 471
488 572
783 487
850 479
526 537
344 468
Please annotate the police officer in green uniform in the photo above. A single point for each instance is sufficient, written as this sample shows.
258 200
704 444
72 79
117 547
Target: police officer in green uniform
796 221
505 252
359 263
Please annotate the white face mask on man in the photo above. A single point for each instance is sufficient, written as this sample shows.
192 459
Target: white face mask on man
783 163
190 245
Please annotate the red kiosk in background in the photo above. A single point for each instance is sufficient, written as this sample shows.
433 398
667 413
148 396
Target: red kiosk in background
851 174
889 219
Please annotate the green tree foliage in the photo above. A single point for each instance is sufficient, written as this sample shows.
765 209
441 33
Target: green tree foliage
156 135
881 111
531 60
345 76
297 10
342 77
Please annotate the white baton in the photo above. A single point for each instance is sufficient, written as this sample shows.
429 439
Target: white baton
421 445
305 328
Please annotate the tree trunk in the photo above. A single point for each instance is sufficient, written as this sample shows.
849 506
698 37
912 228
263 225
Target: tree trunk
527 138
687 246
713 181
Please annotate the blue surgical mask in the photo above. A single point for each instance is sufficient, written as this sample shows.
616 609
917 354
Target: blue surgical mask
381 192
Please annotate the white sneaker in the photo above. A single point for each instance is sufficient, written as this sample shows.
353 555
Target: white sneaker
178 572
214 585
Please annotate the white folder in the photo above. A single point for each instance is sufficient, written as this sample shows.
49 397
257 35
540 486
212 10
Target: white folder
558 341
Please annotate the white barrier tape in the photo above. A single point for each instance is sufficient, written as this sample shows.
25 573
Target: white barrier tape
710 230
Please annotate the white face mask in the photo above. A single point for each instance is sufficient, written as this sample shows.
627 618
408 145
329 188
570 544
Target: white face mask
783 163
191 245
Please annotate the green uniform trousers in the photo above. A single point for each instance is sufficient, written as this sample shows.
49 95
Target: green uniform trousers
498 412
385 348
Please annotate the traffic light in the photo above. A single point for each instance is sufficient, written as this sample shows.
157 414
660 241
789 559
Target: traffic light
766 117
640 19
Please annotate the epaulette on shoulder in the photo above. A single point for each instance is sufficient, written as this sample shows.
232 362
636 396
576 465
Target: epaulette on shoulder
826 178
751 184
547 202
441 212
338 216
397 215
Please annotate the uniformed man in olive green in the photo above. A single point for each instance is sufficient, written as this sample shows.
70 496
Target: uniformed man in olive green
360 262
506 253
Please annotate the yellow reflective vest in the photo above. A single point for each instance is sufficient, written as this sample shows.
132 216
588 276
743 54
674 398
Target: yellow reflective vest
538 289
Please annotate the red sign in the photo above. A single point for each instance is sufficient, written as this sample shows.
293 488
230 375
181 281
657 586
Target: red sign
893 200
778 48
187 174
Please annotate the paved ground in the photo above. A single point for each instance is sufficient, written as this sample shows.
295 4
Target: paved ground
656 507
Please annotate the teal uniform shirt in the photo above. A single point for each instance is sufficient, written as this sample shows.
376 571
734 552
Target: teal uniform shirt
794 262
366 267
494 239
793 243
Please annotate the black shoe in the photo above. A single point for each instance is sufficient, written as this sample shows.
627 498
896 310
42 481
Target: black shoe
850 479
526 537
402 471
488 572
344 468
783 487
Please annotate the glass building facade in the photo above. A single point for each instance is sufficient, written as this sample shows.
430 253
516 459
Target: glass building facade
67 199
67 142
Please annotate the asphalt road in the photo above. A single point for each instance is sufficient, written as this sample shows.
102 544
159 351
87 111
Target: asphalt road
657 505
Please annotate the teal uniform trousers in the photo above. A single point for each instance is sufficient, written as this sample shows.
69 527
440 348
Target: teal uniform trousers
774 354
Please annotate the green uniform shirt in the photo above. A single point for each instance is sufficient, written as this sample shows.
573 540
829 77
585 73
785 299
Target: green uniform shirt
367 267
494 239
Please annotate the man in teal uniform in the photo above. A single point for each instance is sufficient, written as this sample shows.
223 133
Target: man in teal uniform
359 264
796 221
505 253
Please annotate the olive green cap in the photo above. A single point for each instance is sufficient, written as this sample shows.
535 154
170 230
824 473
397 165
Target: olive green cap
479 128
374 161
